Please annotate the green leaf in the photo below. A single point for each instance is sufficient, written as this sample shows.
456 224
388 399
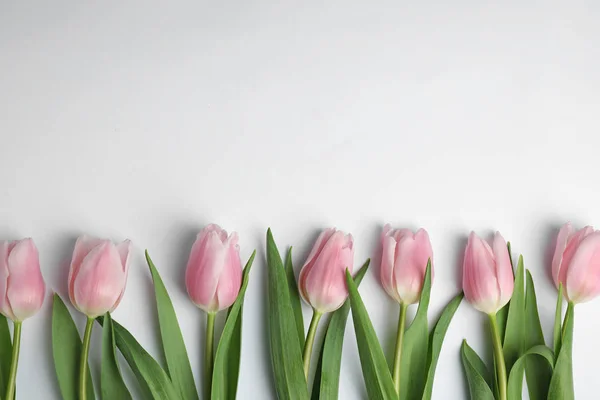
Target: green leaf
561 385
5 354
376 373
435 342
66 349
477 374
152 378
537 370
515 380
178 363
286 354
295 297
111 381
327 378
513 336
227 357
415 346
557 321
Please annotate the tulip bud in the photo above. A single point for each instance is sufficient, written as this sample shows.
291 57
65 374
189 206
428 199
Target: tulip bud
98 275
214 271
404 263
488 279
576 263
322 279
22 287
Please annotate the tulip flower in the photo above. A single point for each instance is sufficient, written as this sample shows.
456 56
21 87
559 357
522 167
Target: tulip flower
404 260
22 291
488 283
403 263
576 263
213 279
322 282
97 279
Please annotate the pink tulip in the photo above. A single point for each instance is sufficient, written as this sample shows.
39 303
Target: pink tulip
98 275
322 280
214 272
488 279
404 263
22 287
576 263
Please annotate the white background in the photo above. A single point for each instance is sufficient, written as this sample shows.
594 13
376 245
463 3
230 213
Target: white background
147 121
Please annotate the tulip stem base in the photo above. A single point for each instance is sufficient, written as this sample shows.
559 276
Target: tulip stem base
83 365
499 358
310 340
209 352
16 346
398 352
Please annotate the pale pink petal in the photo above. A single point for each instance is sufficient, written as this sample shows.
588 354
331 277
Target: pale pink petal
204 268
504 272
412 255
572 245
314 253
221 233
564 234
583 276
124 250
388 257
385 232
26 287
99 281
479 276
230 280
324 283
83 246
5 308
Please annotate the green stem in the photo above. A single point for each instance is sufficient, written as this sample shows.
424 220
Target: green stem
310 340
398 352
83 365
208 352
499 357
12 377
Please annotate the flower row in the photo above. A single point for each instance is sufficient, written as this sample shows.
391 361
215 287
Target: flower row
215 281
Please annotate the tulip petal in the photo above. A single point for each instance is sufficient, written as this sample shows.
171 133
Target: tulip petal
412 254
5 307
204 268
504 272
479 275
230 280
388 256
99 281
583 276
565 232
312 257
83 246
572 246
208 229
124 250
27 289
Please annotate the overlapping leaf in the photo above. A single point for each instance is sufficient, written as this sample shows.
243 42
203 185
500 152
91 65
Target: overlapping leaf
5 354
111 381
478 377
561 385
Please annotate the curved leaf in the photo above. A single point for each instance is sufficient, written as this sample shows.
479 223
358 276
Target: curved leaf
376 373
286 354
66 349
476 373
515 379
415 346
152 378
111 381
295 297
178 363
561 385
327 379
513 335
5 354
537 371
436 340
227 357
